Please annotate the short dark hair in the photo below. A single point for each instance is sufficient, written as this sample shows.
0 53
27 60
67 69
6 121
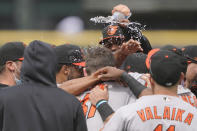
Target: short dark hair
98 57
59 67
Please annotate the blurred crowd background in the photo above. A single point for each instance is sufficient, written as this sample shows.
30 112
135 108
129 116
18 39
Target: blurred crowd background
67 21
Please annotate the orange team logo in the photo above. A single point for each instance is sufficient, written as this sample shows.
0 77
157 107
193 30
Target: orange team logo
112 30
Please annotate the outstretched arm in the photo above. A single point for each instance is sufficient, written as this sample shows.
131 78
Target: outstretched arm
112 73
77 86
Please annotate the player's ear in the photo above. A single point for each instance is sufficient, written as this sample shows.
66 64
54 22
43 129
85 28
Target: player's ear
10 66
65 69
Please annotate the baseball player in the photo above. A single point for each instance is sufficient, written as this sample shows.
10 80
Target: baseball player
11 57
162 111
182 91
119 95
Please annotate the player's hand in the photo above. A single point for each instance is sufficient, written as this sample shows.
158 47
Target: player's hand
123 23
146 77
122 8
97 94
108 73
131 46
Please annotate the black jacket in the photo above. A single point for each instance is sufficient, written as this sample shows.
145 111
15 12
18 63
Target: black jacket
37 104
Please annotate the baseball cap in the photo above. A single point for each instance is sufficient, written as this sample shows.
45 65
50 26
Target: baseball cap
190 51
12 51
165 66
135 63
112 32
69 54
173 49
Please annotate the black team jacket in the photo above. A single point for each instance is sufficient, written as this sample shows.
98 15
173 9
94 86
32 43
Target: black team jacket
37 104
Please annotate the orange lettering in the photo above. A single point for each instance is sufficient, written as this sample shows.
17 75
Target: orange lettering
173 113
189 118
184 98
171 128
149 114
88 112
83 103
92 111
189 98
166 113
158 128
155 113
179 115
141 115
195 101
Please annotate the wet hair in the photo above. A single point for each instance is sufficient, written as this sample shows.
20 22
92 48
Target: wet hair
98 57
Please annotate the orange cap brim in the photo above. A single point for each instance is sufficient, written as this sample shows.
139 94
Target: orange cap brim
80 64
22 58
148 58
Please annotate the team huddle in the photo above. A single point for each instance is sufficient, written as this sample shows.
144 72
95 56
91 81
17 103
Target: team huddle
121 84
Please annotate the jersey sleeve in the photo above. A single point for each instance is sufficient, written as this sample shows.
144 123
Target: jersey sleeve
116 123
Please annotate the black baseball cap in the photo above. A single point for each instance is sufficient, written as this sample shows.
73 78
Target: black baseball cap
135 63
112 32
173 49
11 51
165 66
190 51
70 54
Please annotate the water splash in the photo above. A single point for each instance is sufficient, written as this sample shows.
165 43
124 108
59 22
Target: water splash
135 28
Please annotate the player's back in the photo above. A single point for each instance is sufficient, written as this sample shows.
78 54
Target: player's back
118 96
155 113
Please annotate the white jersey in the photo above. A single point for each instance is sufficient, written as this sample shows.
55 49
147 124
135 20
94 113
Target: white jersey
184 93
187 95
118 96
154 113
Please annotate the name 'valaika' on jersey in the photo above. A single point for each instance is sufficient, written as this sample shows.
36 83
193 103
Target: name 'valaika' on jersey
118 96
154 113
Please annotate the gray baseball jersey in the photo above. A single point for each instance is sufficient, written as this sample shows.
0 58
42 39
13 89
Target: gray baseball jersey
154 113
118 96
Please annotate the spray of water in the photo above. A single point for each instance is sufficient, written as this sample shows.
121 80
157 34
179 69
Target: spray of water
134 27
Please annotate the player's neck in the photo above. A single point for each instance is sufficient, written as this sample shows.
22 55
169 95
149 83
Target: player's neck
7 79
172 91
